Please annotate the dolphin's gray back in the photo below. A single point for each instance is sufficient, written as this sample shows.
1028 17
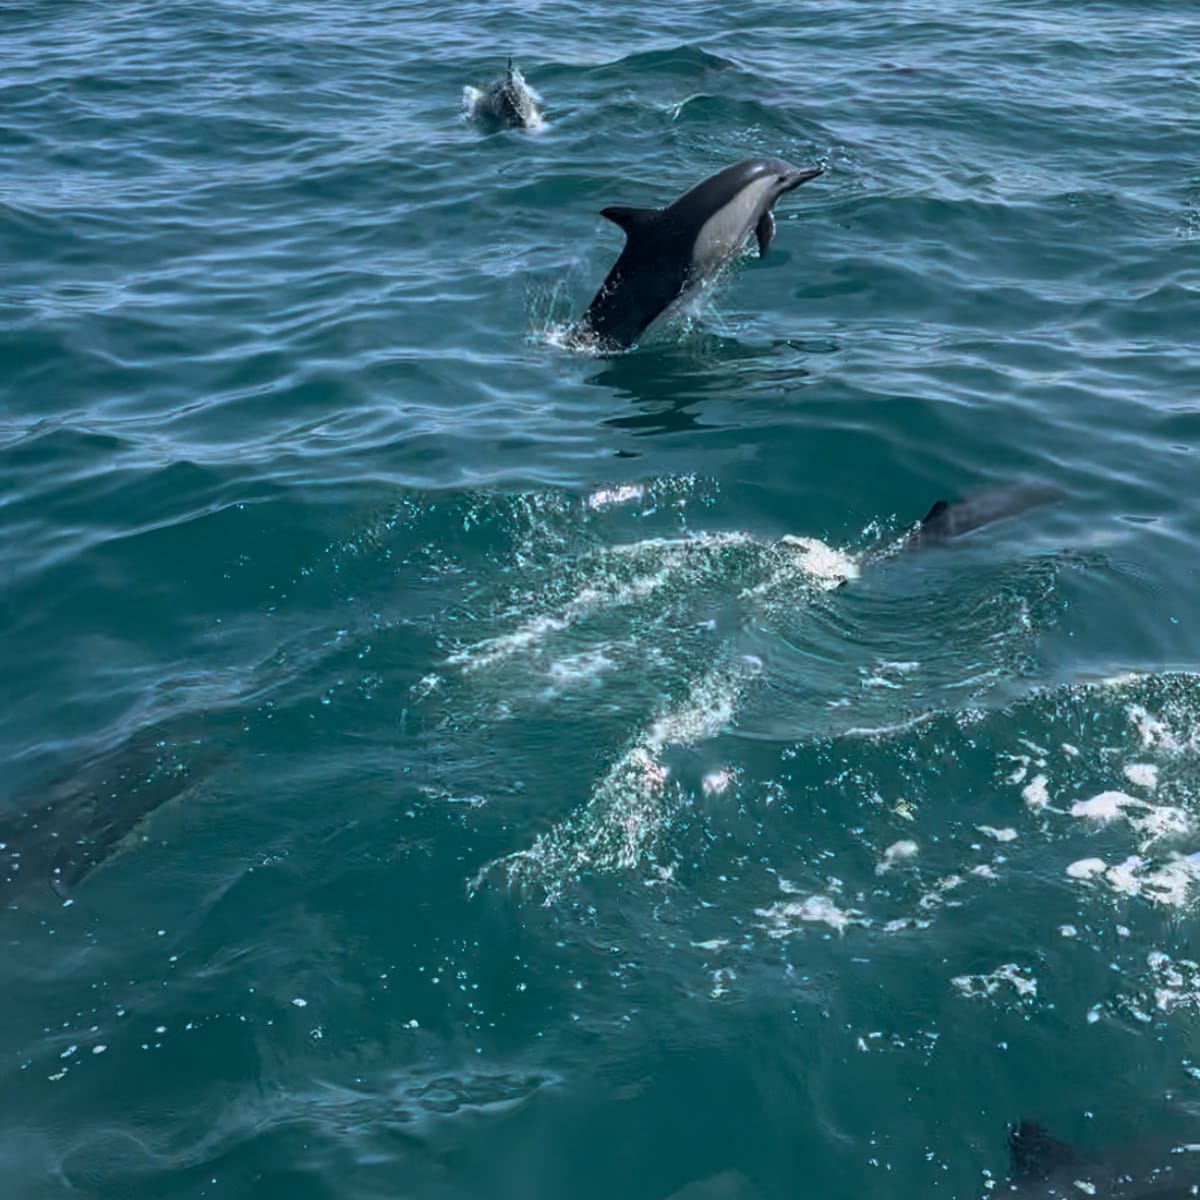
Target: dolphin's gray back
945 520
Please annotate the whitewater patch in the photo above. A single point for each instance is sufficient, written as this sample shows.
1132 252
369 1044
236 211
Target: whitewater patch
632 805
624 575
618 577
1010 977
1170 883
785 918
1160 863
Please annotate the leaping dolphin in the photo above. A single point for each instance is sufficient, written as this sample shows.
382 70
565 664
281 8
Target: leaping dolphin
674 250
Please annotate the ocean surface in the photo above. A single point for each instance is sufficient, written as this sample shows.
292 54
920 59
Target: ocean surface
438 762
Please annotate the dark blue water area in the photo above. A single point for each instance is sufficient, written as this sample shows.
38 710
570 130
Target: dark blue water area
444 760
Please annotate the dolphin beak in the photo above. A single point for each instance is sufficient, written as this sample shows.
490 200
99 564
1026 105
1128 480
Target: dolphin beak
800 175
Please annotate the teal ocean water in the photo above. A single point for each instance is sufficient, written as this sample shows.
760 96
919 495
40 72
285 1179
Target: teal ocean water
442 763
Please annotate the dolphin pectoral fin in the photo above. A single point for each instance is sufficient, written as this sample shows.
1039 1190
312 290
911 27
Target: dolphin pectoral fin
764 231
631 220
1032 1152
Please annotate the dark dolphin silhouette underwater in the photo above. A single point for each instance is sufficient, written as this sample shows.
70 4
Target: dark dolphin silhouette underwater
1041 1167
53 836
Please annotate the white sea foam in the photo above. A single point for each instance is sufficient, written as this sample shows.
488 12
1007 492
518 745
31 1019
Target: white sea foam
1143 775
1153 731
1176 982
667 560
1035 793
1000 835
797 559
633 803
786 918
1152 821
572 670
607 497
1170 884
1011 976
1105 807
716 783
896 852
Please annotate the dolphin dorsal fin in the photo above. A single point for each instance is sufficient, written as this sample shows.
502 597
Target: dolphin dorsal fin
631 220
939 507
1033 1153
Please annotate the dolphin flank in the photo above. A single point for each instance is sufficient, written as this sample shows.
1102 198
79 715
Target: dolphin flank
674 250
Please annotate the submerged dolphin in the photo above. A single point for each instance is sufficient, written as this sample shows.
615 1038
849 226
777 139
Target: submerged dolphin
508 101
1042 1167
54 837
674 250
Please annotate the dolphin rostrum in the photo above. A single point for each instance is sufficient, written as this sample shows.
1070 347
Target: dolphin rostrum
674 250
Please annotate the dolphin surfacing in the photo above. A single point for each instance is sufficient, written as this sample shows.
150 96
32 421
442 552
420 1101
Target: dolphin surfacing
945 521
674 250
510 101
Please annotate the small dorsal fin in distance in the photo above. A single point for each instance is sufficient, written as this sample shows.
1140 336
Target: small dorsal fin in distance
1033 1153
939 507
631 220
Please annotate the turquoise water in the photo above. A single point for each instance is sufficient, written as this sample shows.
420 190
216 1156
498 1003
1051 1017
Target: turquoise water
456 787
